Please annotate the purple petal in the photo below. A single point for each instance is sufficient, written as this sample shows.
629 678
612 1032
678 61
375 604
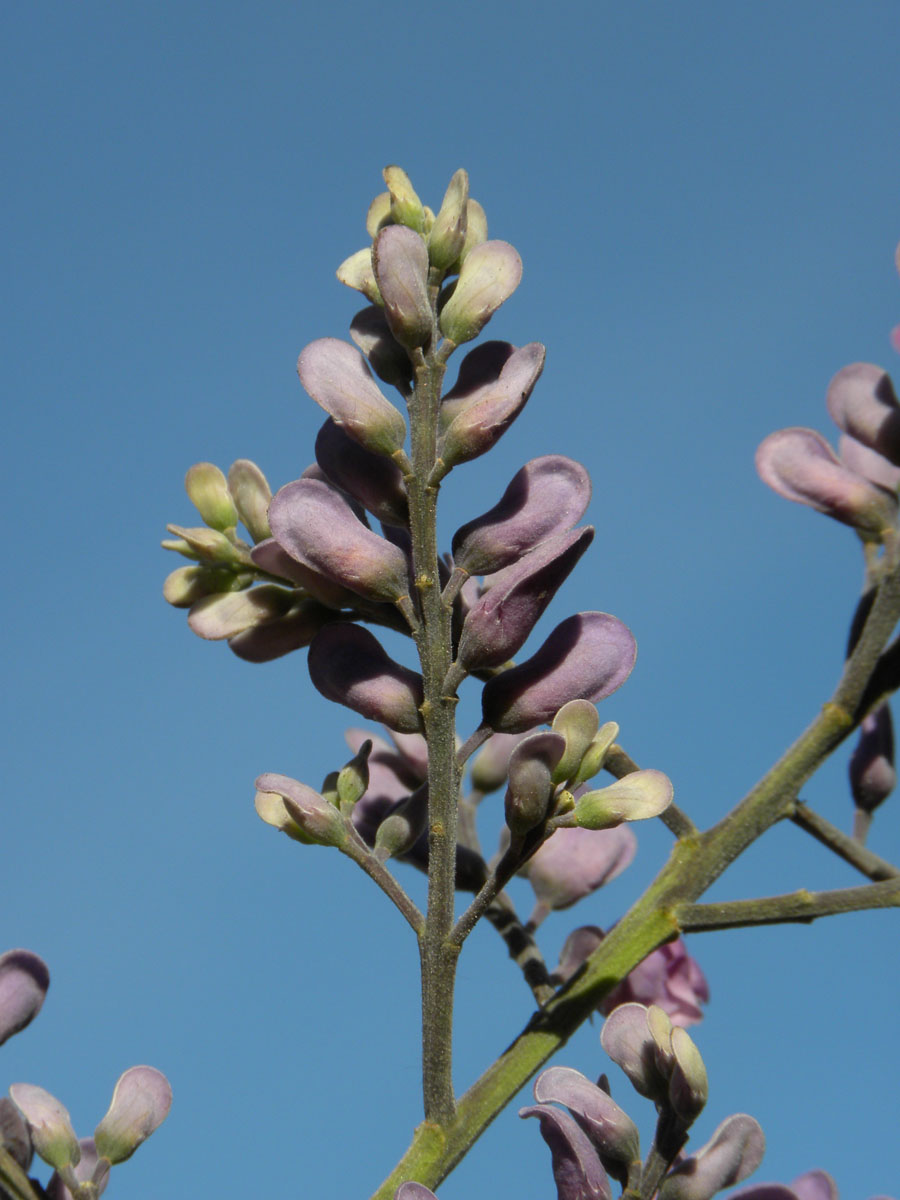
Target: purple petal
862 403
348 665
141 1101
627 1039
230 613
49 1123
580 944
499 623
548 495
577 1170
477 376
14 1135
800 465
317 527
338 378
24 980
668 977
586 657
488 276
611 1130
387 358
868 463
733 1152
400 262
491 764
414 1191
872 774
283 635
572 863
375 481
814 1185
275 560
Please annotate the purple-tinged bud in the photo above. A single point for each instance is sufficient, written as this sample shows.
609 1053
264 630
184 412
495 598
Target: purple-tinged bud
476 231
572 863
868 463
448 233
688 1083
230 613
353 777
24 980
548 495
375 481
337 377
498 624
862 403
276 638
800 465
141 1101
14 1136
406 207
414 1191
251 492
872 774
636 797
348 665
733 1152
490 766
530 773
612 1132
400 262
577 1170
357 272
275 560
298 811
595 755
627 1039
89 1169
587 657
489 275
379 214
387 358
186 585
478 374
578 722
316 525
49 1123
478 426
207 489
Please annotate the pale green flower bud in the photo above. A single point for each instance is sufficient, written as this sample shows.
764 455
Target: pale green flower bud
353 777
357 272
51 1129
251 492
379 214
688 1083
298 811
208 490
638 796
578 722
406 207
141 1102
489 275
594 756
448 234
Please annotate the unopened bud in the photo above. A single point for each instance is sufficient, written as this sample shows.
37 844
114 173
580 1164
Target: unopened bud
636 797
406 207
578 722
595 755
688 1083
387 358
448 234
228 614
141 1102
208 491
303 814
400 261
358 273
488 276
476 230
353 777
24 980
186 585
347 664
252 494
209 545
51 1129
531 767
862 403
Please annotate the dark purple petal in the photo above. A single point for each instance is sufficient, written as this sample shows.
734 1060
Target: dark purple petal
499 623
24 980
872 774
141 1101
338 378
488 276
317 527
530 774
348 665
611 1130
577 1170
733 1152
400 262
572 863
478 374
548 495
480 423
586 657
387 358
375 481
862 403
800 465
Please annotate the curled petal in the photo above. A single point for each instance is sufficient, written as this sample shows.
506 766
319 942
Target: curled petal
577 1170
400 261
375 481
548 495
586 657
315 524
24 980
141 1102
387 358
733 1152
488 276
862 403
611 1130
572 863
348 665
800 465
338 378
499 623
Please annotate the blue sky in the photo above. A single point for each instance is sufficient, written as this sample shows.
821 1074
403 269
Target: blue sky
705 198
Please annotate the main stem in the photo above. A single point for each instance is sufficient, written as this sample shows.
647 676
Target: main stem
438 956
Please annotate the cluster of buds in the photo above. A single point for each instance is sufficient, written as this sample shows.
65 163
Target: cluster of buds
34 1122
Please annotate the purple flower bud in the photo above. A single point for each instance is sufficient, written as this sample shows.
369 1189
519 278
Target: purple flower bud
24 980
862 403
141 1101
612 1131
493 407
414 1191
275 560
207 489
317 527
688 1083
628 1039
498 624
669 978
636 797
872 774
49 1123
281 636
572 863
356 272
89 1169
298 811
477 376
733 1152
375 481
868 463
548 495
252 494
348 665
530 788
800 465
488 276
14 1136
230 613
586 657
577 1170
448 233
400 261
338 378
811 1185
387 358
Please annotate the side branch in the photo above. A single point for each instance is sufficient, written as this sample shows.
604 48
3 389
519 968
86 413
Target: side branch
844 846
802 906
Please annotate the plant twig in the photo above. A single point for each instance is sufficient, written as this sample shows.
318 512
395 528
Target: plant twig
844 846
801 906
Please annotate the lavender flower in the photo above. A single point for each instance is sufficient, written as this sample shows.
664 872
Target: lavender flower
872 773
574 862
348 665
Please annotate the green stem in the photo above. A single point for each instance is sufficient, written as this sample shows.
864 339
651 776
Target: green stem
801 906
376 870
13 1179
844 846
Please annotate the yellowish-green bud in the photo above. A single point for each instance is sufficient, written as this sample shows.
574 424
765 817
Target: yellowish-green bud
448 233
406 207
208 490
